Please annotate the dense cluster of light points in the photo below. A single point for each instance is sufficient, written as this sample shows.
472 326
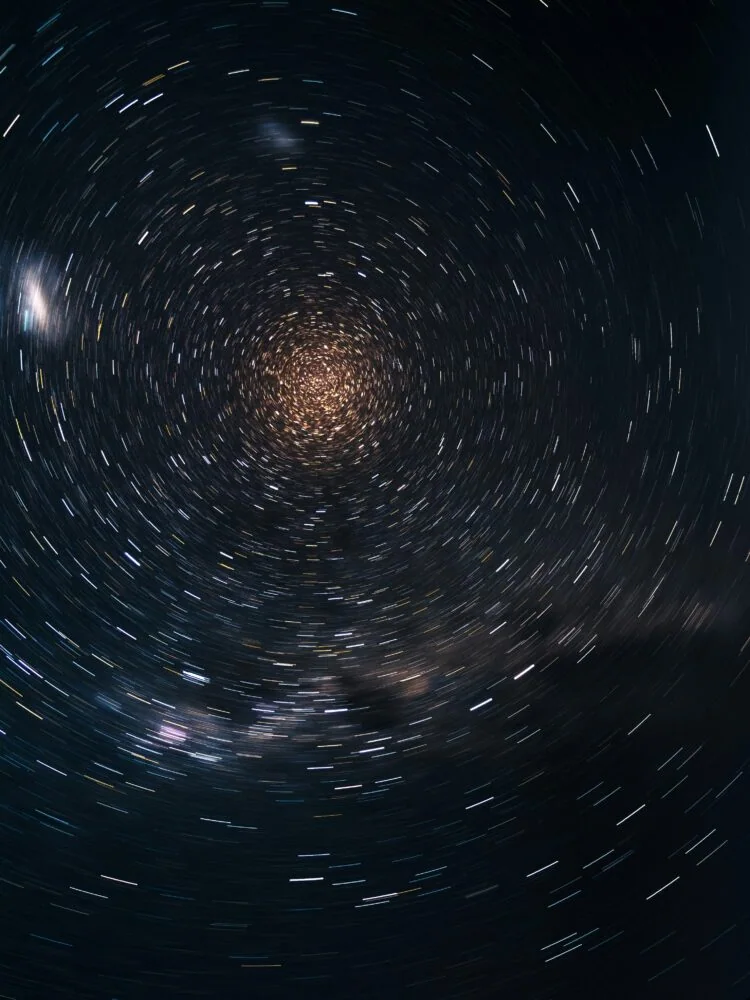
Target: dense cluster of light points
322 397
366 490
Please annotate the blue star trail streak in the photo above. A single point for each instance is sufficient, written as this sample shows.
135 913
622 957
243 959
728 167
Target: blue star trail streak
374 516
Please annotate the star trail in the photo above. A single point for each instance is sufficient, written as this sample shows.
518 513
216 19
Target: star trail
375 607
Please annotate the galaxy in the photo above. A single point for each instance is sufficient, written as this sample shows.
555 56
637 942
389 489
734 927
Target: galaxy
374 516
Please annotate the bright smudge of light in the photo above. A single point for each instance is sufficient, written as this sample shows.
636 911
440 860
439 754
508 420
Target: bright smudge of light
35 311
171 734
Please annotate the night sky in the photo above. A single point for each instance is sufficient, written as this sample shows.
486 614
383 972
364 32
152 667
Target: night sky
374 524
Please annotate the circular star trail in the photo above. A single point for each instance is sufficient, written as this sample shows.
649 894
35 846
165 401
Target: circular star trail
373 502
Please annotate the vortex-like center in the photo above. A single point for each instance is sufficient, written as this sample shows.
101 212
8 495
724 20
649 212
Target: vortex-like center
317 389
321 396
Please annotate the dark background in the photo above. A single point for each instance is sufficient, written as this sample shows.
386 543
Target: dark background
212 830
